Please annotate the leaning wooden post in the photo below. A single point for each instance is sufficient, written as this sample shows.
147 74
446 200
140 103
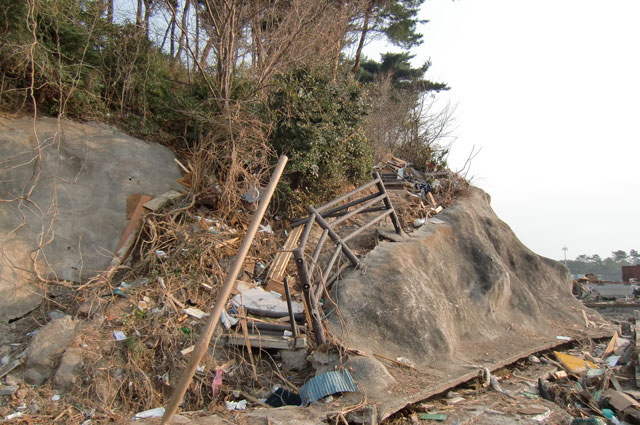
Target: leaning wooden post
203 342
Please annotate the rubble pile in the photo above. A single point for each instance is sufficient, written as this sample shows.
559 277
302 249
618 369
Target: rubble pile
352 344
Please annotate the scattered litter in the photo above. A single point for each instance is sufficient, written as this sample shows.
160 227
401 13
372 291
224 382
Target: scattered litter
434 220
573 364
440 417
120 292
419 222
13 416
216 383
259 299
283 397
530 396
194 312
326 384
612 361
563 338
534 359
56 397
187 350
160 254
227 320
119 335
252 195
594 420
236 405
266 229
158 412
406 361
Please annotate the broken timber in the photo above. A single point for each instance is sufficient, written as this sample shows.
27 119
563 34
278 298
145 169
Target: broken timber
279 265
268 341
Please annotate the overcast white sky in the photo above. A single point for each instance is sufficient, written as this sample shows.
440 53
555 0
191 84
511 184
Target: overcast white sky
550 91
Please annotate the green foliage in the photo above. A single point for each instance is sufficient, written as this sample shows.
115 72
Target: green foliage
403 76
398 20
84 67
319 125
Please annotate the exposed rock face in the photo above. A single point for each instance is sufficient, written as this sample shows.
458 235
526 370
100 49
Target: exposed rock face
67 187
453 288
46 348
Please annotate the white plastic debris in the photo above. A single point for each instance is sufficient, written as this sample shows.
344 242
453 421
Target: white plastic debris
158 412
563 338
406 361
266 228
160 254
236 405
419 222
13 416
119 335
227 320
612 361
194 312
56 397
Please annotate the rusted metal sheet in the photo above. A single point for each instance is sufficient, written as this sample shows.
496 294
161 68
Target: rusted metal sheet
630 272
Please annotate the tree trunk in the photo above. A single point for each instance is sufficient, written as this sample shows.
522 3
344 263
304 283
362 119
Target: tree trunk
183 35
110 11
172 42
197 52
147 16
363 36
205 53
139 14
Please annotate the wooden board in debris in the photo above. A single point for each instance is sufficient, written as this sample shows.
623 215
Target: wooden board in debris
269 341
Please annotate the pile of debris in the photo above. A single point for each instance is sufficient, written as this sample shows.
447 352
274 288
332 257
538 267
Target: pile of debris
594 383
120 342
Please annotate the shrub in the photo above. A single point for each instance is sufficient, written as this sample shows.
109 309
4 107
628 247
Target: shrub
319 125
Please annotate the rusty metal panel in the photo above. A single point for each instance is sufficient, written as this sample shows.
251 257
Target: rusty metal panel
629 272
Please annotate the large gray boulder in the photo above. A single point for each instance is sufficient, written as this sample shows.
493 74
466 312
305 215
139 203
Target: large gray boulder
63 192
46 348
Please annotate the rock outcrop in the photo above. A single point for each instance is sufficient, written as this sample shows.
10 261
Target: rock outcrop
63 190
466 281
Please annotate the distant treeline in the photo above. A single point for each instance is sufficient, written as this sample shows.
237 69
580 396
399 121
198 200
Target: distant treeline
608 268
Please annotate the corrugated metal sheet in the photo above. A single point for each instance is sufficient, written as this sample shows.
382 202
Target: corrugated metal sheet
326 384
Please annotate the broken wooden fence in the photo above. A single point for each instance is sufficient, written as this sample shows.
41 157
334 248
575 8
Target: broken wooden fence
329 216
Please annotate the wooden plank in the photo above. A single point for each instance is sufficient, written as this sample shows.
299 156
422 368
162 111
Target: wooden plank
279 266
268 341
611 346
134 222
432 200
